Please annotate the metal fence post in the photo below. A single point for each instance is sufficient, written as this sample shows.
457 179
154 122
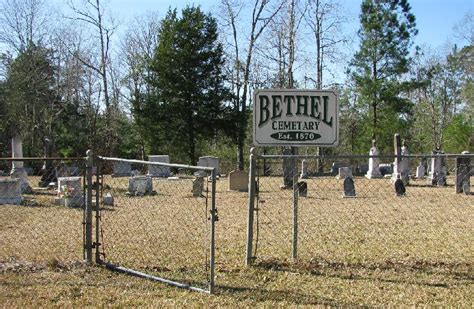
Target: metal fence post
97 189
214 218
294 241
88 208
251 207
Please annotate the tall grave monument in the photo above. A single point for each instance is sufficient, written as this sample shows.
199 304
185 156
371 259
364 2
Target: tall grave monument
374 170
18 170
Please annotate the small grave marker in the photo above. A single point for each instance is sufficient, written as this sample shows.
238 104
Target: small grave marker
349 187
198 186
303 189
239 181
10 191
399 187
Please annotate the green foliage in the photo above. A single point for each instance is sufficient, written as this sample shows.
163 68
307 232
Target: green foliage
187 102
459 134
386 32
30 98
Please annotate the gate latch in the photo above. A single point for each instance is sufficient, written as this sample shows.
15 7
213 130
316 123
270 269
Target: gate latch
214 215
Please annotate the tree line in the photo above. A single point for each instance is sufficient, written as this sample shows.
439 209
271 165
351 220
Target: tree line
182 84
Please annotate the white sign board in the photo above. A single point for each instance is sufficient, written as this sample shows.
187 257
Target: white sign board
291 117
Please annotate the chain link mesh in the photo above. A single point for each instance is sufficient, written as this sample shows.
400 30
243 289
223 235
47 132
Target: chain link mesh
429 225
158 223
38 227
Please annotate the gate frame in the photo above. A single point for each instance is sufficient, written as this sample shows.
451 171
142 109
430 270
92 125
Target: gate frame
213 218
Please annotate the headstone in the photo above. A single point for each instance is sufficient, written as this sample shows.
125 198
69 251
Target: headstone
362 169
420 171
335 168
108 200
435 170
442 177
156 170
386 169
140 185
399 187
463 173
344 172
349 187
239 181
122 169
302 189
48 172
70 191
198 186
304 169
209 161
374 171
10 191
466 187
18 171
405 164
397 163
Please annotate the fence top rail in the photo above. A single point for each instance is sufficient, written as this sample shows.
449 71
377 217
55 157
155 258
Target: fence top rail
43 159
385 156
191 167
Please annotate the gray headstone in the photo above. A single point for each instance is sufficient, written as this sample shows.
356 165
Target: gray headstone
209 161
386 169
463 171
10 191
420 171
399 187
344 172
108 200
466 187
156 170
198 186
122 169
140 185
349 187
302 189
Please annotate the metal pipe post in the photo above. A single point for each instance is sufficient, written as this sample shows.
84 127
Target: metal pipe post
88 207
213 232
251 207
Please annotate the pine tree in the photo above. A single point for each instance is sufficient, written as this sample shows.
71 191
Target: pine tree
187 76
386 33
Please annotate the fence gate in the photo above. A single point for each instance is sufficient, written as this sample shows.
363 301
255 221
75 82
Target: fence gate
430 225
157 221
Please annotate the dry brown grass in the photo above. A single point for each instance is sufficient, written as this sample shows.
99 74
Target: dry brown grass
375 249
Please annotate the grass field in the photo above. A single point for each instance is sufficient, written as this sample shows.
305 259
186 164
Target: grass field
373 250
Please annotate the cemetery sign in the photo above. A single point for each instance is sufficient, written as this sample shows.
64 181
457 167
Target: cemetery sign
291 117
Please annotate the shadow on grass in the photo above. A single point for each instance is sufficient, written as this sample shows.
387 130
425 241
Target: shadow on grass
259 294
408 272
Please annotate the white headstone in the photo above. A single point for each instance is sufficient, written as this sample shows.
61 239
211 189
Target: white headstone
156 170
304 169
10 191
18 171
374 170
435 170
405 165
70 191
344 172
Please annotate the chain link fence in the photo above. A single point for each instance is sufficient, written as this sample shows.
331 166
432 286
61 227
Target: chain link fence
41 206
328 221
157 221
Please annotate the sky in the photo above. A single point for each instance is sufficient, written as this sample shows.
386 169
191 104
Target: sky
435 18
